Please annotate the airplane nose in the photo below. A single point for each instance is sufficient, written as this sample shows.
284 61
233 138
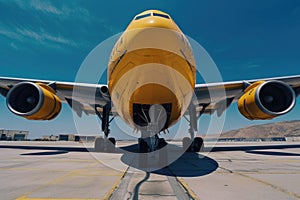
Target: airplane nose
157 22
153 22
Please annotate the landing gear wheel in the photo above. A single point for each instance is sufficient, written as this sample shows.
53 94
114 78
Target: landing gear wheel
161 143
198 144
111 144
186 144
99 145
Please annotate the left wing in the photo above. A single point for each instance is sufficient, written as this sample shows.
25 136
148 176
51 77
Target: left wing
81 97
217 97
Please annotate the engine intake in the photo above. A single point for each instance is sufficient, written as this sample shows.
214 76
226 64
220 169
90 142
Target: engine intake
267 100
33 101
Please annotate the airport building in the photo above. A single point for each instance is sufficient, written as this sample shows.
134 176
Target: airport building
13 135
50 138
69 137
76 138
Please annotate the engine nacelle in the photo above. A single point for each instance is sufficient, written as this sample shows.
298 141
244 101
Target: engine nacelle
105 92
266 100
33 101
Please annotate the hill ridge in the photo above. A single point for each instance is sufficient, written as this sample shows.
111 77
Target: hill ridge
277 129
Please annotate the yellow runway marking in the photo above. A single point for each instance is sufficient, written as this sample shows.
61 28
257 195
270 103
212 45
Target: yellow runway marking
80 172
269 184
53 182
260 172
115 185
26 198
186 187
243 174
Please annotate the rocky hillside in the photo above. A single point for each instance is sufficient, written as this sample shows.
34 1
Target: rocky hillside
279 129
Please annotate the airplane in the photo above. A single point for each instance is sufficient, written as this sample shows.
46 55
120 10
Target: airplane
151 86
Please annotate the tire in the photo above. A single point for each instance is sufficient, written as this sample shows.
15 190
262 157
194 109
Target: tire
99 145
111 144
198 144
186 144
143 146
161 143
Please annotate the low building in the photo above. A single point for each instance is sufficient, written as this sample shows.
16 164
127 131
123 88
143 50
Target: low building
66 137
50 138
13 135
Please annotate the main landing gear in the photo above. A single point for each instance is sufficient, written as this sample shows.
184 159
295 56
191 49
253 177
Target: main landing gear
195 145
192 144
105 144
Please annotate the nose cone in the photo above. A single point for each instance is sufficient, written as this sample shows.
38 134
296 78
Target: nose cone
153 19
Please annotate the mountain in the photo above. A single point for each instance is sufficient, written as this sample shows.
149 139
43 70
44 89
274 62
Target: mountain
279 129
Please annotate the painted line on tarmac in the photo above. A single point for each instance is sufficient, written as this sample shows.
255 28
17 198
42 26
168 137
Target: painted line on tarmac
187 188
277 188
26 198
115 185
54 182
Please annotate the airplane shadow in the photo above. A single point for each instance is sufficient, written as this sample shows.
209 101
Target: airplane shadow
45 153
175 163
254 147
273 153
47 148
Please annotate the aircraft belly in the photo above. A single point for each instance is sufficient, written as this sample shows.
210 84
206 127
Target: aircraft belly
149 83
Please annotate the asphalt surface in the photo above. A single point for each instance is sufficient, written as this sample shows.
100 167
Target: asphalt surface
69 170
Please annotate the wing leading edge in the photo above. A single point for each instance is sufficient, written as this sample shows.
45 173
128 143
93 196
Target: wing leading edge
88 98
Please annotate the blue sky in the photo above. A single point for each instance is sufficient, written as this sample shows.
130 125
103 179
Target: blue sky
50 39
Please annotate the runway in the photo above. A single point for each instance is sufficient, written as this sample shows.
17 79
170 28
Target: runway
66 170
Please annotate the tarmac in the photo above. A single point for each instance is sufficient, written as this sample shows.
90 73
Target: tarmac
67 170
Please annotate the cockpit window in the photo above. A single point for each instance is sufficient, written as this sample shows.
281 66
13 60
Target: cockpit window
143 16
161 15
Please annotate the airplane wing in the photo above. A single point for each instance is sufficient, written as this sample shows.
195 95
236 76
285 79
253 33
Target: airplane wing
81 97
210 98
217 97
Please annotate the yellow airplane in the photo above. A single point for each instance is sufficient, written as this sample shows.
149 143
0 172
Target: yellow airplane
151 82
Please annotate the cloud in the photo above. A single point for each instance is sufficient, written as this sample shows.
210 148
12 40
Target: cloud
70 11
26 35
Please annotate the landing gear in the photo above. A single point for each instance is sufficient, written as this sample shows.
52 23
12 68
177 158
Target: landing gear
99 145
105 144
152 146
197 145
192 144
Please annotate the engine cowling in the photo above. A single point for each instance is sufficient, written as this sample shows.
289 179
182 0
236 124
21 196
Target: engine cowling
266 100
33 101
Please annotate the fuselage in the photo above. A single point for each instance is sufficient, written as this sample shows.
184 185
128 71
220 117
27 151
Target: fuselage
152 63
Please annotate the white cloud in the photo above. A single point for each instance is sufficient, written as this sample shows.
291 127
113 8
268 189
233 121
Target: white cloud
35 37
44 6
70 11
14 46
43 37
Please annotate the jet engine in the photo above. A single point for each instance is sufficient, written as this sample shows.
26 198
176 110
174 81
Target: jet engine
266 99
33 101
